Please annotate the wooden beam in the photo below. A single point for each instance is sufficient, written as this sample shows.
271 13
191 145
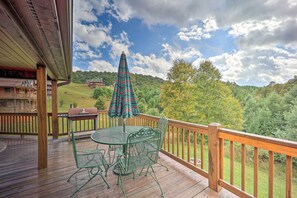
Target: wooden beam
55 123
42 117
213 156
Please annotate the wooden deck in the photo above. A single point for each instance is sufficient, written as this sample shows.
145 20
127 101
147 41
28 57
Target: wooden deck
19 176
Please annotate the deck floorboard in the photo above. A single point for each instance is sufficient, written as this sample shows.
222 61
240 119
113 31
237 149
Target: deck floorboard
19 176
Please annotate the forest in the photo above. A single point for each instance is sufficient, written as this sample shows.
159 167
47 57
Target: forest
199 95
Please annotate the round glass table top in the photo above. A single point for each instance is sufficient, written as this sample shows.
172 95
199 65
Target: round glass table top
114 135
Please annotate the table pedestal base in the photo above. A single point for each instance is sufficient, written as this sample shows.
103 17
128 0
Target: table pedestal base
116 171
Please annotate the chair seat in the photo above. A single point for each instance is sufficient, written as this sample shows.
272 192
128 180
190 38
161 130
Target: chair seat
131 163
91 159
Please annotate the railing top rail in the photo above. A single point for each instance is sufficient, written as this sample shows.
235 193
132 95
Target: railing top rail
17 114
272 144
180 124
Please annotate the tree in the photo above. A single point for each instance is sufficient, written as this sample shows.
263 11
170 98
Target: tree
291 121
198 95
214 101
265 116
177 94
101 92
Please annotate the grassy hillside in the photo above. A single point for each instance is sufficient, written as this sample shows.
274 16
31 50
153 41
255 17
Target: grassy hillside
81 94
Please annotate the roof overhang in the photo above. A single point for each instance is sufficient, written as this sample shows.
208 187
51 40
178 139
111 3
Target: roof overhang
36 32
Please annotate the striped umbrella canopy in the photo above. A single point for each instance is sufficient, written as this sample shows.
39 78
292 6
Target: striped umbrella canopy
123 103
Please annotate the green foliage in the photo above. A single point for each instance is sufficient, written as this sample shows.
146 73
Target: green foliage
83 76
61 102
177 93
265 116
100 103
102 92
198 95
153 111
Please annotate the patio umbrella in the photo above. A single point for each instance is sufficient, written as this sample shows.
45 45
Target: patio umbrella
123 103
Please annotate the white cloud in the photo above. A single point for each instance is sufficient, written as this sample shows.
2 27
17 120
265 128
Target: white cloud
174 52
75 68
119 45
257 66
86 10
93 35
101 65
181 13
83 51
199 32
150 65
244 28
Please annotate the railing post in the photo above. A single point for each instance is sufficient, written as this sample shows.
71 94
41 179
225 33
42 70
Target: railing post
55 122
213 156
42 117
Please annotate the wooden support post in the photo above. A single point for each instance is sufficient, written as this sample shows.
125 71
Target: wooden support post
55 123
213 156
42 117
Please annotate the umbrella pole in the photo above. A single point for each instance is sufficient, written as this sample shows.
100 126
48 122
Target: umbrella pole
124 125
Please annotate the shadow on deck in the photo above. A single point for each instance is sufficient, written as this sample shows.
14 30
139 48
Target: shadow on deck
19 176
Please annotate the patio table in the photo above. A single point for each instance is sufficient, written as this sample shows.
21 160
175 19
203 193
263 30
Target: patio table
114 136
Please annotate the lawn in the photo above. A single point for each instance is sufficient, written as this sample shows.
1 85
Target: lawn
80 94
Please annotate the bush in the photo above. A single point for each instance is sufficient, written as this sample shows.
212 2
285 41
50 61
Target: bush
100 103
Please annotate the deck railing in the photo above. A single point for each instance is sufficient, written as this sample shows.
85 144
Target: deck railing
199 147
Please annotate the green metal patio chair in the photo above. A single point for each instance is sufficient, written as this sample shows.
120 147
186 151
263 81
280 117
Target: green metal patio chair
156 146
162 126
91 160
138 155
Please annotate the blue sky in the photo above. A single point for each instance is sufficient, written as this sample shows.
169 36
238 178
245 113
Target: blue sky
250 42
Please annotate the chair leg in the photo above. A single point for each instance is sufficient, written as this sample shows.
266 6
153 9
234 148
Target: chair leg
104 180
73 174
157 181
163 166
98 172
83 185
120 180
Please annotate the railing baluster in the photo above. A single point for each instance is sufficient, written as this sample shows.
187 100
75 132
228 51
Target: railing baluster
288 176
23 122
231 162
271 174
189 145
243 160
9 124
202 151
177 141
168 139
80 125
36 123
183 144
256 164
195 148
29 121
49 124
172 144
221 158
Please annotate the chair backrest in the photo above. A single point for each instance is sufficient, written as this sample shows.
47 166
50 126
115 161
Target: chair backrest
162 126
138 146
73 144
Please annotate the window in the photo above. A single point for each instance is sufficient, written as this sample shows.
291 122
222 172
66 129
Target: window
7 90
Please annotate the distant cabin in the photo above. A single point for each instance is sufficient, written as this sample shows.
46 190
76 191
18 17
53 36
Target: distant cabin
95 83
